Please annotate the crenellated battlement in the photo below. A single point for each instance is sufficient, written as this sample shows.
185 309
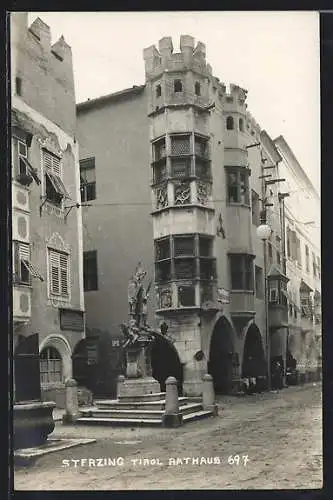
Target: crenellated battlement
191 57
42 68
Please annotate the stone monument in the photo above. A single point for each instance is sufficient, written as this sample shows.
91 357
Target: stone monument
138 340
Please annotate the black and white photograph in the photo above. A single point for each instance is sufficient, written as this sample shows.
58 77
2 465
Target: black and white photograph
166 250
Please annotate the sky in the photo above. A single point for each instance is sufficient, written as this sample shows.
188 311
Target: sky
273 55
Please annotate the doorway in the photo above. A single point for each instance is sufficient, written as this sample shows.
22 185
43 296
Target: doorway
165 363
221 356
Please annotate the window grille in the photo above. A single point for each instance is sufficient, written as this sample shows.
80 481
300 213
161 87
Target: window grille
184 268
180 168
180 145
160 173
184 246
201 147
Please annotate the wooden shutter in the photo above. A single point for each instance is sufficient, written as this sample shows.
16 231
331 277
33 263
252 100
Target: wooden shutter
56 168
24 252
64 275
54 272
47 160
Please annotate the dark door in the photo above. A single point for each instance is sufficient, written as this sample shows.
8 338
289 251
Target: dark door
27 369
166 363
222 356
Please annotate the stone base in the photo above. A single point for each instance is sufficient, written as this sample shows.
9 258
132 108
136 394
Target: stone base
213 408
33 422
192 387
138 386
172 420
70 418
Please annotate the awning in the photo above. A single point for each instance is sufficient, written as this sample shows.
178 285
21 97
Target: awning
32 270
57 184
32 171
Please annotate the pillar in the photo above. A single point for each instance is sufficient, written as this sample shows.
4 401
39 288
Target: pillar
171 417
208 394
72 403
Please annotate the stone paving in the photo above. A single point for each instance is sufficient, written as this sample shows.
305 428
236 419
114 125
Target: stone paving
264 441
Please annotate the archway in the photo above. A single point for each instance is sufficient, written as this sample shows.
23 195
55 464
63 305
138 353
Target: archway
80 364
221 356
61 345
165 362
254 364
51 367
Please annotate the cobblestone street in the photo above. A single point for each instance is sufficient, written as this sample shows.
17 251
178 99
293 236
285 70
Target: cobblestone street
277 436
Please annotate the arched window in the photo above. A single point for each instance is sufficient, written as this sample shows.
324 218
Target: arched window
197 88
230 123
178 86
241 124
50 365
158 90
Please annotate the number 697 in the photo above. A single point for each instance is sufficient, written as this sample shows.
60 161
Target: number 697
238 460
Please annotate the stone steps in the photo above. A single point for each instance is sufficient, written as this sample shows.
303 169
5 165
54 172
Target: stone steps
139 410
190 417
119 421
134 405
154 396
133 414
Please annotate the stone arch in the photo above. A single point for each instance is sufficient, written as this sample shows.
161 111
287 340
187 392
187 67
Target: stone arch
222 355
253 360
60 343
166 362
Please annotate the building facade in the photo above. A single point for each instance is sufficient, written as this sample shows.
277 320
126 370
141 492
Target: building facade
303 264
46 216
177 174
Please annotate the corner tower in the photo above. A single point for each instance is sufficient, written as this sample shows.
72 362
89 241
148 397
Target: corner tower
178 87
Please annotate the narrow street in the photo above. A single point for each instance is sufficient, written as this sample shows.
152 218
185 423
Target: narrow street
277 438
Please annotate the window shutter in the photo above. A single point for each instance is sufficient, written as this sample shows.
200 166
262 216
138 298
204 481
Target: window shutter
64 274
54 273
47 160
22 149
56 166
24 252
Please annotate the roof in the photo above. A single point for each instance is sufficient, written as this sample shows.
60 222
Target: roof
99 101
298 170
270 146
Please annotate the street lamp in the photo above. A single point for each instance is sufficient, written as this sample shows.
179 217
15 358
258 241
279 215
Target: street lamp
263 233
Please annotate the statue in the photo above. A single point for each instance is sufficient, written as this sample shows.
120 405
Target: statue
138 297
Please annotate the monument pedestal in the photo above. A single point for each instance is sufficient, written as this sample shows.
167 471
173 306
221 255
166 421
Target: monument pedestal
138 379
